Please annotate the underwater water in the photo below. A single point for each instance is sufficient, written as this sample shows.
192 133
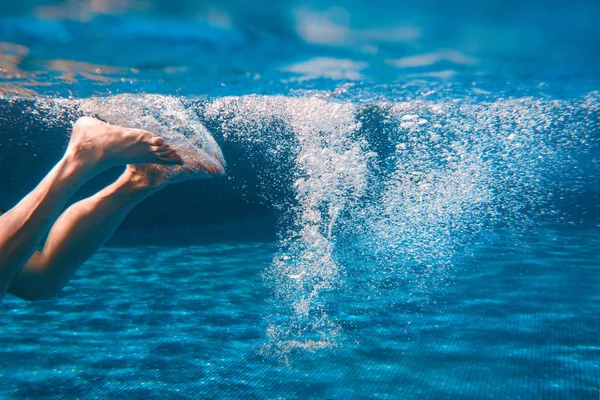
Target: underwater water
411 206
518 320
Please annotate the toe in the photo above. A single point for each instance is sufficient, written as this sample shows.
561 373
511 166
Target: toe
166 153
172 159
159 149
157 141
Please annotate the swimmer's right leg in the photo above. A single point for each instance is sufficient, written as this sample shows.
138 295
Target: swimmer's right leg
89 223
94 147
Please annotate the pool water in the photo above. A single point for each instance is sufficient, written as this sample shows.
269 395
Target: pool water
411 207
519 319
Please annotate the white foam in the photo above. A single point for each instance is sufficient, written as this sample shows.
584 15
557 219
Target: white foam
165 116
458 168
453 169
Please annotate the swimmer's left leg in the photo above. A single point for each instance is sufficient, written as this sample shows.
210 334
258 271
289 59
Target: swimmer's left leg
88 224
94 147
75 236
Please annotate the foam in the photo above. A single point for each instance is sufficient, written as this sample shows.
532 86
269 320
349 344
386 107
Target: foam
401 187
165 116
455 170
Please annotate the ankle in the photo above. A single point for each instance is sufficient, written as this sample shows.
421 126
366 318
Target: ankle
73 166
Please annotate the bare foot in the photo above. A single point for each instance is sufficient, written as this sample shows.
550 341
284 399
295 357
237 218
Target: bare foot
99 144
158 176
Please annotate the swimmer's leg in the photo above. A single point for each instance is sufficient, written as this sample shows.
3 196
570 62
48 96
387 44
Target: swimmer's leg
75 236
88 224
94 147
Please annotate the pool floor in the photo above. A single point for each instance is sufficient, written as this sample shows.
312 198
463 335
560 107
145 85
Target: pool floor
514 319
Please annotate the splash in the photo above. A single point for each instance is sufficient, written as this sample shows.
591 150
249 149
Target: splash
165 116
396 190
330 174
404 194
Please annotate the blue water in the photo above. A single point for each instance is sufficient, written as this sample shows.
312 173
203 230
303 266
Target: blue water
411 207
518 320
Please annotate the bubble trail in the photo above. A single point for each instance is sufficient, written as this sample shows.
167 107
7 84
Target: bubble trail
405 200
392 189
